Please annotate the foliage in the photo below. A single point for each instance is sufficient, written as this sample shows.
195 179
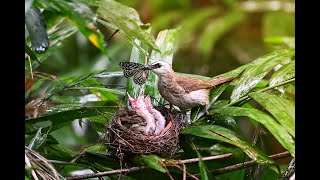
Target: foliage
66 113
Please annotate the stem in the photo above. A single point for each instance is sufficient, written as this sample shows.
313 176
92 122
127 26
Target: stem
133 169
247 164
265 89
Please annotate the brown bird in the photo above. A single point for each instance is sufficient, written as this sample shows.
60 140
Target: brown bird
182 91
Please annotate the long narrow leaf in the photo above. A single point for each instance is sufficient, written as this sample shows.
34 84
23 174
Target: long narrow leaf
127 20
281 108
166 41
286 72
223 134
257 70
280 133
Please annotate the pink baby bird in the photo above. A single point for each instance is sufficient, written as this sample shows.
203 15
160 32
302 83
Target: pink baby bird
139 107
160 121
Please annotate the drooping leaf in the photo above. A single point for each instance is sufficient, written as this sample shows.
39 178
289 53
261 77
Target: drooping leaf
69 115
223 134
279 132
257 70
127 20
152 161
286 72
81 16
281 108
166 41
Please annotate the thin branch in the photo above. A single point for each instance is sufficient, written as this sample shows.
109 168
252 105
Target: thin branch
132 169
203 159
247 164
29 165
215 172
184 177
99 174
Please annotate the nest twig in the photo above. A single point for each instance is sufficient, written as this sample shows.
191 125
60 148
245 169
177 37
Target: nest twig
124 139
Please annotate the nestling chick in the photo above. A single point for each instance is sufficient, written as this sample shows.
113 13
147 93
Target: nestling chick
139 107
182 91
159 119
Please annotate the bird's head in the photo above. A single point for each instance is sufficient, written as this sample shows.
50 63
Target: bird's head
162 68
137 104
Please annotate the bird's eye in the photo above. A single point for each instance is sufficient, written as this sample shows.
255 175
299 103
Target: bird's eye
158 65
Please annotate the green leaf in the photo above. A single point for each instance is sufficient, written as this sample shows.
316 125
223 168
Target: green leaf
32 55
281 108
80 15
166 41
133 89
70 115
152 161
284 73
223 134
217 28
127 20
257 70
131 40
281 40
202 167
280 133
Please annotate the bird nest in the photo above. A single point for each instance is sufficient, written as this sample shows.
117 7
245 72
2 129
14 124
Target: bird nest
122 138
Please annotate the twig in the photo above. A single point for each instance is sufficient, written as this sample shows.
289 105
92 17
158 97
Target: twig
184 177
184 171
203 159
99 174
132 169
29 165
247 164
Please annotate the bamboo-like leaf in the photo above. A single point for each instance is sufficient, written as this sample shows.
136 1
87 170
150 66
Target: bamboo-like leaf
286 72
152 161
166 41
70 115
127 20
279 132
257 70
132 88
223 134
202 167
81 16
281 108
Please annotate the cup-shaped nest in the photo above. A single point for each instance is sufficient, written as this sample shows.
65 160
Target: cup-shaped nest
122 137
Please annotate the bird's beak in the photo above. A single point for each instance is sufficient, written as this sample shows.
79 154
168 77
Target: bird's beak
129 97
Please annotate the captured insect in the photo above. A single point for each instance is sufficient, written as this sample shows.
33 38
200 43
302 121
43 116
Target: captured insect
139 72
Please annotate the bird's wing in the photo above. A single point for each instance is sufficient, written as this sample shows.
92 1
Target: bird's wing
192 84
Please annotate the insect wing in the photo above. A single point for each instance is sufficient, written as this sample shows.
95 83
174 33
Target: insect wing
140 77
130 68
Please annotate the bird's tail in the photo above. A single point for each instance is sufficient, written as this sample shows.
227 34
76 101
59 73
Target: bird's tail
221 80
